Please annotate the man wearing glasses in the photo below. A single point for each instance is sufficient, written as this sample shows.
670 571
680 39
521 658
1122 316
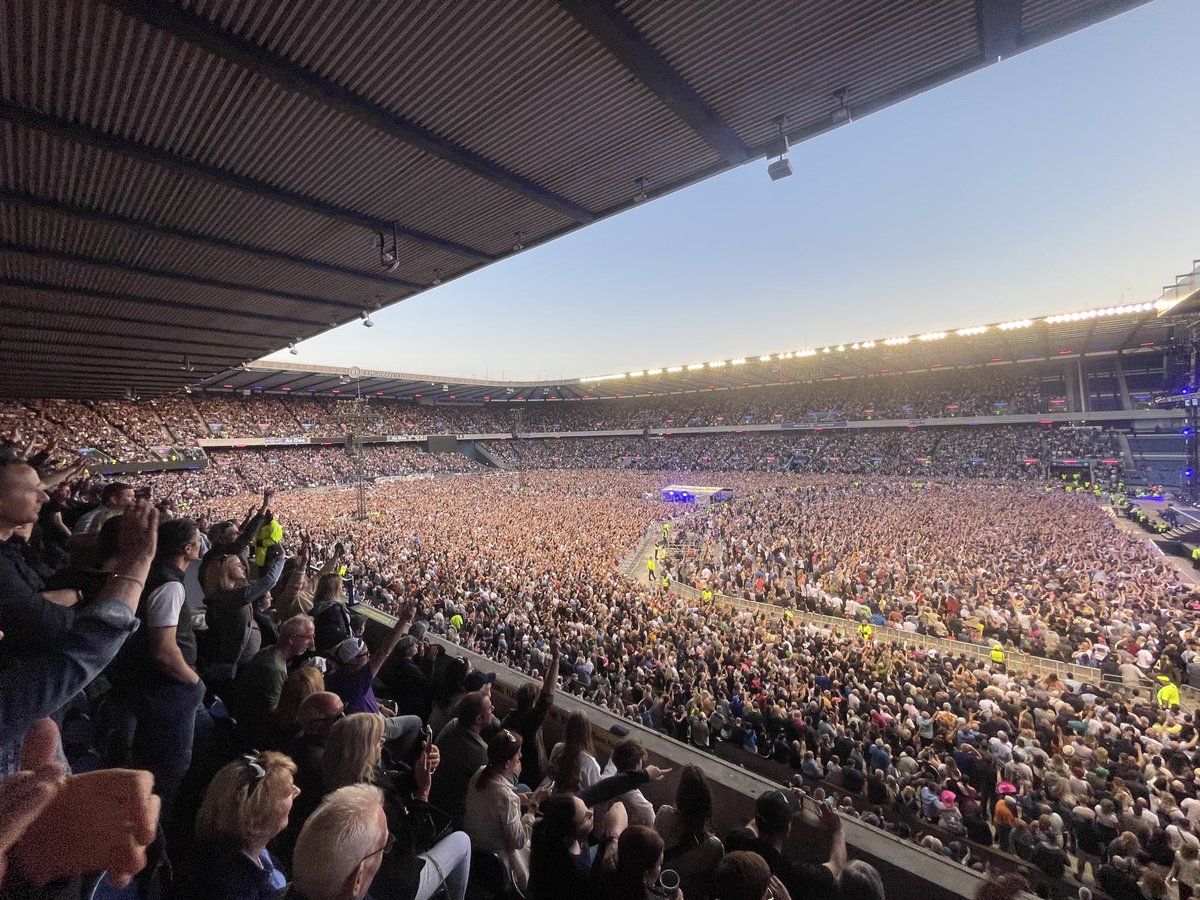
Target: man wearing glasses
341 846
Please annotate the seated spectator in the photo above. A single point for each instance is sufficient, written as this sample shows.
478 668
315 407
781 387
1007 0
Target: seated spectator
639 862
572 764
493 818
355 671
744 875
341 846
630 756
246 805
463 753
427 848
692 849
860 881
767 836
300 684
527 718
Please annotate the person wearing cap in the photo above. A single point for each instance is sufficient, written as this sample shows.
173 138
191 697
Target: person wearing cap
767 835
352 681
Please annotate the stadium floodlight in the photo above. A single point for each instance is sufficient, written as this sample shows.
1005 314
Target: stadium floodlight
692 367
366 319
967 332
639 193
638 374
292 347
719 364
737 362
1011 326
825 349
674 369
389 254
800 353
782 167
931 336
841 114
896 341
841 348
868 345
766 358
654 371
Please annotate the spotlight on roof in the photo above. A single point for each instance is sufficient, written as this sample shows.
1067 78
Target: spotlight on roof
292 348
841 114
437 277
639 194
186 365
782 167
366 319
519 243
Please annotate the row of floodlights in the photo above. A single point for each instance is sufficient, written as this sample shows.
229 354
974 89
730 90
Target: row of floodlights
1125 310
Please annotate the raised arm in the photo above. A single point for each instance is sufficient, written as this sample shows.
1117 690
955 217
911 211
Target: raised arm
407 614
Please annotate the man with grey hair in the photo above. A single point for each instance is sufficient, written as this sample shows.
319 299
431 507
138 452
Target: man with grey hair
341 846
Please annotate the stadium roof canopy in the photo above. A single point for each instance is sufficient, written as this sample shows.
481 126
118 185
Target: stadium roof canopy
192 184
1130 329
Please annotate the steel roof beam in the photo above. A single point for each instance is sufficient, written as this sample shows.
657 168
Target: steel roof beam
122 346
107 218
197 280
206 34
999 28
172 340
82 134
614 30
28 284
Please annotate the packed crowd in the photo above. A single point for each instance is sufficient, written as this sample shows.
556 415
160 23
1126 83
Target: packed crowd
524 570
128 430
244 753
1017 452
1043 572
935 394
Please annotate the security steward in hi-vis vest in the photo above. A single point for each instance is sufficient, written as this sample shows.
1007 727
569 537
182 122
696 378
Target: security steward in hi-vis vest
865 630
1168 694
997 654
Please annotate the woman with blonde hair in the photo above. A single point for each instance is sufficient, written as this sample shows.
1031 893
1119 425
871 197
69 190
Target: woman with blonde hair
229 598
246 805
352 751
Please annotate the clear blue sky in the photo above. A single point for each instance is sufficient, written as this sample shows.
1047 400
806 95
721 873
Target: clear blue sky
1059 179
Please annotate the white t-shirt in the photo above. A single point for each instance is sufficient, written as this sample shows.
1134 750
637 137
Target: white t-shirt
163 605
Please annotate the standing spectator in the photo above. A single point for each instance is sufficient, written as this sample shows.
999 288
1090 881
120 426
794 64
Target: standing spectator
573 763
260 681
527 718
156 675
692 849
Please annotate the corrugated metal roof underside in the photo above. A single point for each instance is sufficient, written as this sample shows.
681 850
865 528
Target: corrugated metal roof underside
271 196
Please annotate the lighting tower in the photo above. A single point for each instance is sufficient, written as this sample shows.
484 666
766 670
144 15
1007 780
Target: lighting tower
354 417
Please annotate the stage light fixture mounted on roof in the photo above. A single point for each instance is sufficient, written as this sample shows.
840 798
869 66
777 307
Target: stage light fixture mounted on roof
292 347
782 167
639 193
366 319
519 243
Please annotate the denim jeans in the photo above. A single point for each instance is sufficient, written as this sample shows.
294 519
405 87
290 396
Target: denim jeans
166 713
